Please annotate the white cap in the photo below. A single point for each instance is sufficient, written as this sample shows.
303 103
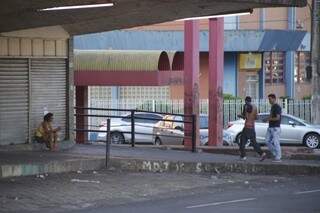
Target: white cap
45 110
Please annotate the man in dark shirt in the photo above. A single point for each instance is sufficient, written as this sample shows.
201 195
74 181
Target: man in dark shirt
249 114
273 132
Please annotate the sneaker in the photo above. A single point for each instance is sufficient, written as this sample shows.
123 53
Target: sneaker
263 157
243 158
277 161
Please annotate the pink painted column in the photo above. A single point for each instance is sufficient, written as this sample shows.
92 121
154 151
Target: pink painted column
191 78
216 67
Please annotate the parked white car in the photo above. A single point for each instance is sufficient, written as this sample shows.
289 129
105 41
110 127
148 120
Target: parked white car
293 131
121 128
171 133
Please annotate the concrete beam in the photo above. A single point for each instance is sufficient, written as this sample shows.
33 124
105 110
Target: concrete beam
128 78
81 121
191 79
216 63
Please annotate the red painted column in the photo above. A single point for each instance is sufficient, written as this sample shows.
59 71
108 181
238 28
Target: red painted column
191 78
216 67
81 122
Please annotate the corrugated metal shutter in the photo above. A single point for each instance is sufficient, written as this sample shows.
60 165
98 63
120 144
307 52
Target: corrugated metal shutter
48 89
14 92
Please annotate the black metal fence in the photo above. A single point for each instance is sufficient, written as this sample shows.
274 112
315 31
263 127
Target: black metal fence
231 108
132 123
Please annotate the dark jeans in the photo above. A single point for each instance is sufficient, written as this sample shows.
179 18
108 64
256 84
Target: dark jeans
41 140
249 133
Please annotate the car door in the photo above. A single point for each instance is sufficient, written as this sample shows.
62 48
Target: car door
124 126
261 128
144 123
169 131
164 128
177 132
290 133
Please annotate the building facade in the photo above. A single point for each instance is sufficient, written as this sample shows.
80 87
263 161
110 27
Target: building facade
265 52
34 80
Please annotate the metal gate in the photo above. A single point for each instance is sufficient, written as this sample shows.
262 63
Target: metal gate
49 92
14 94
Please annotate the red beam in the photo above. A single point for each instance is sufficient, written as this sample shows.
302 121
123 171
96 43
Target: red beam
128 78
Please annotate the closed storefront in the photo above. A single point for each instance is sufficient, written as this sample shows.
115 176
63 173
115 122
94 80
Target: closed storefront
48 89
33 81
14 94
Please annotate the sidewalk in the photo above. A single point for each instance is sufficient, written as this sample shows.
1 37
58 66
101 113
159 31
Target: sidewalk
147 158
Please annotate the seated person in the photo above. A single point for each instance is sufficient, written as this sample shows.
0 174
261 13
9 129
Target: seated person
45 133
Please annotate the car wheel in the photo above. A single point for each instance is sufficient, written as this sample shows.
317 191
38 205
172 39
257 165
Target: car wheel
312 140
157 142
117 138
238 140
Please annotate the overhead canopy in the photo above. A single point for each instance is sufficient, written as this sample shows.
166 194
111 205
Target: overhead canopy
18 15
234 40
117 60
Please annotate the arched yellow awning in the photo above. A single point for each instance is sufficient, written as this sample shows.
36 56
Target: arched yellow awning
120 60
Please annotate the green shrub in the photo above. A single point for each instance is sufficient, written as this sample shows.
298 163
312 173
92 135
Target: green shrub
227 96
307 97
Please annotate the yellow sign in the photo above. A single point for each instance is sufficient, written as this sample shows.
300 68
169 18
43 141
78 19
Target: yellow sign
250 61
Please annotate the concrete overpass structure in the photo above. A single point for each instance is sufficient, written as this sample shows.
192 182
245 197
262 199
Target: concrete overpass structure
36 54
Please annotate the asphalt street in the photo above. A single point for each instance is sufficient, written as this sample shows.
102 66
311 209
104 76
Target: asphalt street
277 195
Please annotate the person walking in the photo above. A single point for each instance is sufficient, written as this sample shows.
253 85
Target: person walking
249 113
273 132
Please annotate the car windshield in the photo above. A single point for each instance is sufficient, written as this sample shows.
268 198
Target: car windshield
301 120
143 118
261 117
203 122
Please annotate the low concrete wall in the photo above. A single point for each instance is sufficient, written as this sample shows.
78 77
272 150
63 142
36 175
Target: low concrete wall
136 165
51 167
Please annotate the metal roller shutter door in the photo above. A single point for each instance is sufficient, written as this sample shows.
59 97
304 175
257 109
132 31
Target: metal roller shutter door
14 94
48 77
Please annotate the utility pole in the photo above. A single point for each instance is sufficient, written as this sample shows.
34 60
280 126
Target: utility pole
315 108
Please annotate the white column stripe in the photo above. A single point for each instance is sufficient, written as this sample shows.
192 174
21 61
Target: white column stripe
220 203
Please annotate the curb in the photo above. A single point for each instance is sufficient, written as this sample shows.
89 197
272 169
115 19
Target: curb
139 165
16 170
63 145
158 166
294 153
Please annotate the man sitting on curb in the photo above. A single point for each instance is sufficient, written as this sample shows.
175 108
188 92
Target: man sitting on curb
45 133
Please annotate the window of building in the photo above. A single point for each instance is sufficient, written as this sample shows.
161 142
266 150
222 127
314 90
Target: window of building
302 60
100 92
274 67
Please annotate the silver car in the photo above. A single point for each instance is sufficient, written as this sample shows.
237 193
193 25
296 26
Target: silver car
293 131
170 132
121 128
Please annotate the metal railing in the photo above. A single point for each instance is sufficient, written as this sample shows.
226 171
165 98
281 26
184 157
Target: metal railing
231 108
106 114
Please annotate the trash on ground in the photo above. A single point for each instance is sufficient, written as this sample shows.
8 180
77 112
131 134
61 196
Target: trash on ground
84 181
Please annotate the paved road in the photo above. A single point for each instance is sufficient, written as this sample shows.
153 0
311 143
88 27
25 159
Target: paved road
290 194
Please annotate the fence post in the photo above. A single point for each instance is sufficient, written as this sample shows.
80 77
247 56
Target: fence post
223 115
193 136
132 129
108 138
